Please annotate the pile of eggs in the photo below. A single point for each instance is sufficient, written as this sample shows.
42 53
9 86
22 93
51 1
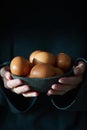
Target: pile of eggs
41 64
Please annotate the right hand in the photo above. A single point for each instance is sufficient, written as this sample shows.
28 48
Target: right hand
16 85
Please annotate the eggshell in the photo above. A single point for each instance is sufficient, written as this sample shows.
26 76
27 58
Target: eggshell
42 70
20 66
59 71
32 55
44 57
63 61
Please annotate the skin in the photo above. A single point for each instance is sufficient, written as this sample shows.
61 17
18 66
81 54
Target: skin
67 83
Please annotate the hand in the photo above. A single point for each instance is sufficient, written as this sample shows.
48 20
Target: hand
16 85
66 84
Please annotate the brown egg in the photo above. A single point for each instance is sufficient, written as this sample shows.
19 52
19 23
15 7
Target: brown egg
42 70
63 61
20 66
32 55
59 71
44 57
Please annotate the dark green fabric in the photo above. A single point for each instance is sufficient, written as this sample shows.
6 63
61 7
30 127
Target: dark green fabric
42 116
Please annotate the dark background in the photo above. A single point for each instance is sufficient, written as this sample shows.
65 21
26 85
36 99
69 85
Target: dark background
45 20
42 23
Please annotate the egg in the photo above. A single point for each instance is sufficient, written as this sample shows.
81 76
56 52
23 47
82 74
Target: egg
44 57
20 66
63 61
59 71
32 55
42 70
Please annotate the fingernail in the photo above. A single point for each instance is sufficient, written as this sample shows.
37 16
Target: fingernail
49 93
60 80
54 86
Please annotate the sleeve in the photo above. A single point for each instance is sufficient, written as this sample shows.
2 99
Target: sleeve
74 99
14 102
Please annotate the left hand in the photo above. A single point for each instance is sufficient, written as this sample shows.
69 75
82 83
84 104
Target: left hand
66 84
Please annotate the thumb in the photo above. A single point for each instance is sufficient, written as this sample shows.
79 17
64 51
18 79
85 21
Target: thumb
80 68
5 73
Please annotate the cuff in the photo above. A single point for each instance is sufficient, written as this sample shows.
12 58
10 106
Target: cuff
65 101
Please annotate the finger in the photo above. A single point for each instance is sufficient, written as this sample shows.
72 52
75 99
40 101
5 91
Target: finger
59 87
5 73
8 76
4 70
30 94
74 80
80 68
53 92
21 89
14 83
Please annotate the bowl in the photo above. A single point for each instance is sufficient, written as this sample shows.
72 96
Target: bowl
44 84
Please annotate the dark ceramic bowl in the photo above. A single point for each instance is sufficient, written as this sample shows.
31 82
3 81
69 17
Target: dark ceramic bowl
44 84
